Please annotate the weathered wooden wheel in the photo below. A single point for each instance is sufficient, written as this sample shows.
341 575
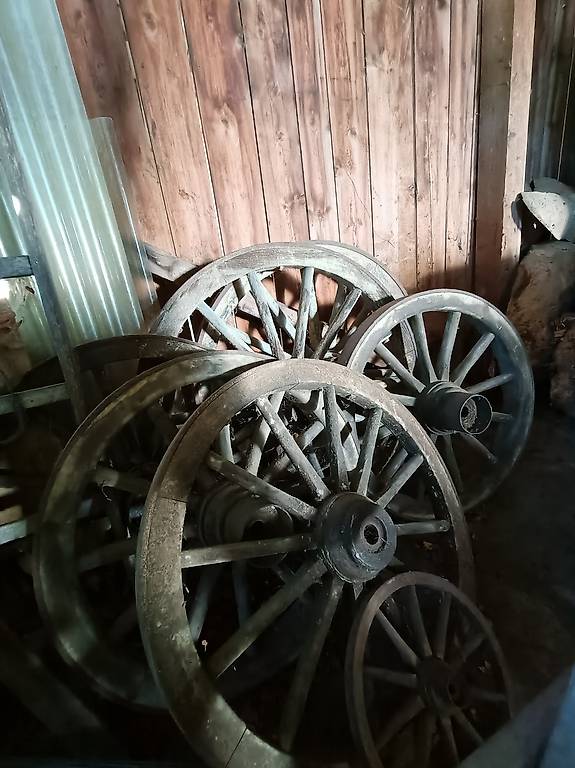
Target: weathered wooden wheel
85 547
259 531
231 301
425 677
471 385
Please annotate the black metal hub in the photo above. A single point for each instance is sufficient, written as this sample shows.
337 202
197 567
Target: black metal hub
437 686
358 537
446 408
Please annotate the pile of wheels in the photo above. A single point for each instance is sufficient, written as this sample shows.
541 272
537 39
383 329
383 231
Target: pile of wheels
286 488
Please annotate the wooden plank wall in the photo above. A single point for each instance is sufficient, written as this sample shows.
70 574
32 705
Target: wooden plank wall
243 121
551 150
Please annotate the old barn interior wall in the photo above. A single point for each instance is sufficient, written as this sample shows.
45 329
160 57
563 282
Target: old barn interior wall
360 120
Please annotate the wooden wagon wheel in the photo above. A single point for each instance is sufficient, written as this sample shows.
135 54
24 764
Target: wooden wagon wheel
103 475
214 302
471 385
425 676
245 531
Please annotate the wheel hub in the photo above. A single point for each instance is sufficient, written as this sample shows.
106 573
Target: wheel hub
436 684
358 537
445 408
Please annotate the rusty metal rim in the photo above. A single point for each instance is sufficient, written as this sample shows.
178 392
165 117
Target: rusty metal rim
209 723
519 394
58 592
354 675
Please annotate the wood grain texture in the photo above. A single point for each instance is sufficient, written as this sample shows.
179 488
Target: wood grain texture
308 62
345 64
96 39
158 43
553 49
462 144
389 69
517 132
432 34
495 74
270 71
219 65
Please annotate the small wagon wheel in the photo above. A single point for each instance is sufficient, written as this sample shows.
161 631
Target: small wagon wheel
471 387
425 676
273 520
103 475
232 302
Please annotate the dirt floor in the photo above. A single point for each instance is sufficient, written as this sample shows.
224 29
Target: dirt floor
524 543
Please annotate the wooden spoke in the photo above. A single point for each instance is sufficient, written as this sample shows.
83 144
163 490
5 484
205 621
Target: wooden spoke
199 609
246 550
416 621
307 665
475 693
493 383
467 726
499 417
472 357
424 528
391 676
397 722
225 443
304 440
261 434
447 345
451 461
478 446
312 479
123 481
266 316
259 621
337 322
336 458
107 554
399 368
449 738
400 478
407 653
368 445
471 645
260 487
228 332
426 731
277 310
420 335
442 622
305 303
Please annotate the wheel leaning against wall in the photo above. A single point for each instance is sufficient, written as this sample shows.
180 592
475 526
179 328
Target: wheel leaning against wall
471 385
284 527
234 288
85 547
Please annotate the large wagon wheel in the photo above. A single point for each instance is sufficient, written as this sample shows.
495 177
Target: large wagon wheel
471 387
299 526
104 473
425 676
231 301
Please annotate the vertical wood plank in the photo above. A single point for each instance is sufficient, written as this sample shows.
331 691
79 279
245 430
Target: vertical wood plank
495 73
345 64
554 25
219 65
271 79
308 61
95 36
389 62
157 39
462 144
432 34
517 131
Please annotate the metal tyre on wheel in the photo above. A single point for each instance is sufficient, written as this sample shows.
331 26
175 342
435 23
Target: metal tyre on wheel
425 676
260 530
471 385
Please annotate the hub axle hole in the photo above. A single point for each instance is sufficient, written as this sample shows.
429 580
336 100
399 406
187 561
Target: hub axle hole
371 535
